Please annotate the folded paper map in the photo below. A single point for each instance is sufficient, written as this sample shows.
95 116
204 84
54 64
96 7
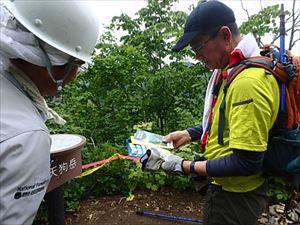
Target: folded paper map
143 140
149 139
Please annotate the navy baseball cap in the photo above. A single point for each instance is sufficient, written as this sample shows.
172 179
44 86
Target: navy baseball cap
204 17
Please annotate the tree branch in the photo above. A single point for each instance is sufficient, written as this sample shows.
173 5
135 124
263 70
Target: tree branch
293 15
293 26
261 5
297 23
294 42
256 36
274 39
245 9
277 36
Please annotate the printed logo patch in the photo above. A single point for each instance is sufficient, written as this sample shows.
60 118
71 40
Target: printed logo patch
29 190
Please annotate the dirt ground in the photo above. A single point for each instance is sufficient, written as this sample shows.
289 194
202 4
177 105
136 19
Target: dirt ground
115 210
188 205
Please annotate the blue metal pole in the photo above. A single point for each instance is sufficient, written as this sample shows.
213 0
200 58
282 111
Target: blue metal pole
169 217
282 54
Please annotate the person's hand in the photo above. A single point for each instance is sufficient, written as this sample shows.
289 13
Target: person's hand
156 158
151 160
173 165
178 138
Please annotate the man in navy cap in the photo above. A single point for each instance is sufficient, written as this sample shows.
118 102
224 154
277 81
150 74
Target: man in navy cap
234 156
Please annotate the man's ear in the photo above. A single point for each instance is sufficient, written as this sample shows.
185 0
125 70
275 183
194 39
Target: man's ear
226 34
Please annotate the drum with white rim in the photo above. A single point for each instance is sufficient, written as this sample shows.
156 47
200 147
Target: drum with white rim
65 142
65 158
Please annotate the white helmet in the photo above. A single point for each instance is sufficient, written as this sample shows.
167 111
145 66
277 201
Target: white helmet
70 26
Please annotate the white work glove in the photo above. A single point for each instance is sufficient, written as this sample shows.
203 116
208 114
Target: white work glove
156 158
173 165
151 160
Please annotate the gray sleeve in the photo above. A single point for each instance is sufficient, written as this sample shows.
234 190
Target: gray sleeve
25 173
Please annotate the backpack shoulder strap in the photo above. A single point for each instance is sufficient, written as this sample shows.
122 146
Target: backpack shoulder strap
271 67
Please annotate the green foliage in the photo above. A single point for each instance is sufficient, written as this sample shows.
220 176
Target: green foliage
155 30
119 177
180 182
133 81
153 181
73 191
42 215
279 189
265 22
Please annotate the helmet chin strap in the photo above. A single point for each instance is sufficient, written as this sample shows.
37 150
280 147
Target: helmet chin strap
58 83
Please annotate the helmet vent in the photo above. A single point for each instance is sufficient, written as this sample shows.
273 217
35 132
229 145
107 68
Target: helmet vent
78 48
38 22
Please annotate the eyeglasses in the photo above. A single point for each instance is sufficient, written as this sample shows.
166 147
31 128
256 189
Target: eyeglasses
199 48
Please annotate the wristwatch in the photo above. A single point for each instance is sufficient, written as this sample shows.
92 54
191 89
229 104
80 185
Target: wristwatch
192 169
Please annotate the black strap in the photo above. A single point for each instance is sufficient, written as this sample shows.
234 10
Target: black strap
222 117
192 168
217 88
47 61
270 64
231 76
